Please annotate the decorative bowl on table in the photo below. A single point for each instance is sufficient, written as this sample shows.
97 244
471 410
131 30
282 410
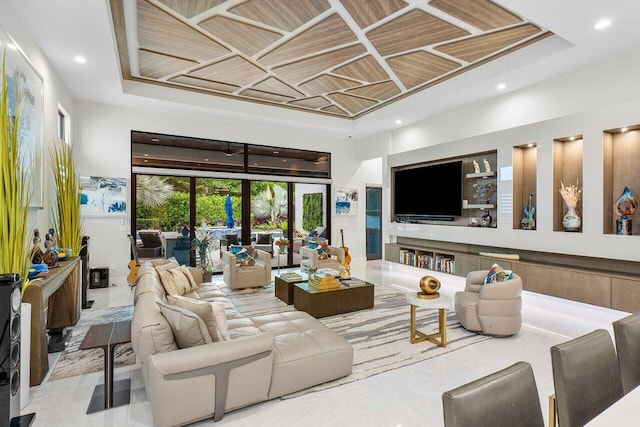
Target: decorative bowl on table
64 254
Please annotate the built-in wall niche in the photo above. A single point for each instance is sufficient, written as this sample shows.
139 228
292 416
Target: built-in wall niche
480 189
621 154
525 161
567 171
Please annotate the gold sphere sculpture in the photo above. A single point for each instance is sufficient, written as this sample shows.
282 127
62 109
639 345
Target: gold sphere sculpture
429 286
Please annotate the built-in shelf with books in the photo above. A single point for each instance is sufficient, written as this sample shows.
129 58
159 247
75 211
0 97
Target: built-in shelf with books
525 160
621 155
567 171
480 189
427 259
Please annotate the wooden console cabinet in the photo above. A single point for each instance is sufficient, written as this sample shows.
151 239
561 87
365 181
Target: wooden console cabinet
603 282
55 299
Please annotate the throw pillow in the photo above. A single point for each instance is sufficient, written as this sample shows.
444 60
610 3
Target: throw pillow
263 239
497 274
162 261
221 320
167 266
175 282
192 282
188 329
313 245
203 309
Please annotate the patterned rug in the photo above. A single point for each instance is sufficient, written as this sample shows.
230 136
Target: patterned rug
380 336
74 361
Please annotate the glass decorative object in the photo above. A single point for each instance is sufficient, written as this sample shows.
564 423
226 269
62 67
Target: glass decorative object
625 206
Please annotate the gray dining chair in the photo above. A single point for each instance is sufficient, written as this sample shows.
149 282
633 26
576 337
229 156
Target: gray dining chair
586 378
507 398
627 334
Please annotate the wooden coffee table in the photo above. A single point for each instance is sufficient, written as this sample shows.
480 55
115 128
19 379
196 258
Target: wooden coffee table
331 302
284 286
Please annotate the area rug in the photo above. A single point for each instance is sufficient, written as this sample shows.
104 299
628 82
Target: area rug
380 336
74 361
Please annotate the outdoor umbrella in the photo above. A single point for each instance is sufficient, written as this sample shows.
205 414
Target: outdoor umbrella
228 207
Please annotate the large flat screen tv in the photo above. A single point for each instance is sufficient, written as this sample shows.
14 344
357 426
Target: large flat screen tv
428 192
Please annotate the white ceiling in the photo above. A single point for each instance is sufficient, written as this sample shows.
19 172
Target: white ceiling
64 29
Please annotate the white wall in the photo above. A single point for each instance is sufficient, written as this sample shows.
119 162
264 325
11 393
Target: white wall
586 102
54 93
104 135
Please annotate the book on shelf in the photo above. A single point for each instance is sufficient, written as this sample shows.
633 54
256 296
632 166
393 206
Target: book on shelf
291 276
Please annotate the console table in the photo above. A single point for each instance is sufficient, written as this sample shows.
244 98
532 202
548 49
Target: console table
55 303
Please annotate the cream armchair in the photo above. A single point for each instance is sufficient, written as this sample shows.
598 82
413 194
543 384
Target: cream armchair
494 308
311 261
249 276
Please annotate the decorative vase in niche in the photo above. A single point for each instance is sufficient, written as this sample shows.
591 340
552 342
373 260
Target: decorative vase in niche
571 221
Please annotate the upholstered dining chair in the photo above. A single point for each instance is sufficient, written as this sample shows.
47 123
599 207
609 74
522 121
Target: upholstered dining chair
506 398
627 334
586 378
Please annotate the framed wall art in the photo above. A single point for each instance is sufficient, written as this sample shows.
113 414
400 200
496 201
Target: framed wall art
346 201
25 84
100 196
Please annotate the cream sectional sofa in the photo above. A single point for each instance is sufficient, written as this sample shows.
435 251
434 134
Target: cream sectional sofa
268 356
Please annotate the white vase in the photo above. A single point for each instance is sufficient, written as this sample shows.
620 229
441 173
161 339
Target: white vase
571 220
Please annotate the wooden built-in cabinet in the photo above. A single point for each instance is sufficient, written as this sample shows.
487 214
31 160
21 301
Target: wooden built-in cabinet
603 282
525 161
567 169
621 155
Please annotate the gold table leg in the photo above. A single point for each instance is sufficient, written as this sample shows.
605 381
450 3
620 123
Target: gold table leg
417 336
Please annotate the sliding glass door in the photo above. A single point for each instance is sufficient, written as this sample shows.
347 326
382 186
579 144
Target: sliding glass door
270 219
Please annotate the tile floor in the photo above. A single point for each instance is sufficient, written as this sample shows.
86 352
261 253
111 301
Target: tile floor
410 396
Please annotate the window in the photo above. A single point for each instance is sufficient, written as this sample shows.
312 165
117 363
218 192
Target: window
64 125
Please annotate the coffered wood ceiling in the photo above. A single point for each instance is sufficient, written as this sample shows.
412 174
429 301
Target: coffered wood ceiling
344 58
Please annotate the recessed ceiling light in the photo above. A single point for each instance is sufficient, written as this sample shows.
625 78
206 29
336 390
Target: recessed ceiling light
146 161
284 160
624 129
276 152
398 122
502 86
12 46
155 140
531 145
206 160
80 59
146 154
603 23
572 138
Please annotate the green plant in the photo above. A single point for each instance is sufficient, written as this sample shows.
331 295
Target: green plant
14 190
152 191
311 211
66 212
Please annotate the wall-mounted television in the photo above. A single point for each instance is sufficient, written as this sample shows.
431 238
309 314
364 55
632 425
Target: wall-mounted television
428 192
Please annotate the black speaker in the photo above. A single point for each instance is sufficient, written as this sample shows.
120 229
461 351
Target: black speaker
10 299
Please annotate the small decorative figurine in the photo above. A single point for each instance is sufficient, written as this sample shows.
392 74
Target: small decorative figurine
487 166
476 167
625 206
36 252
51 243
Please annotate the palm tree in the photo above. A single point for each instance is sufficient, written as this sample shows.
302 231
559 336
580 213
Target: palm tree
152 191
270 203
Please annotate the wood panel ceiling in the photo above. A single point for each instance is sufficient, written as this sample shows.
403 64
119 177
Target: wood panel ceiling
339 57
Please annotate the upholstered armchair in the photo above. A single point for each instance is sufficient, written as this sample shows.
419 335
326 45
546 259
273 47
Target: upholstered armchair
238 276
494 308
311 260
226 240
152 244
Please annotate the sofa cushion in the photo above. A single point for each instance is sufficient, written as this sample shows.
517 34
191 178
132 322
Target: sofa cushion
203 309
188 328
162 261
150 331
219 312
192 282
